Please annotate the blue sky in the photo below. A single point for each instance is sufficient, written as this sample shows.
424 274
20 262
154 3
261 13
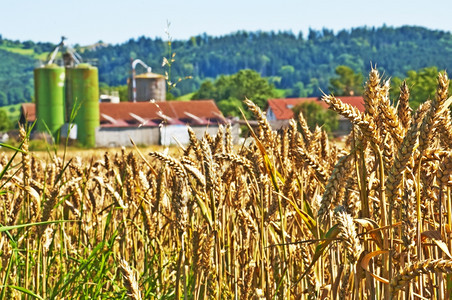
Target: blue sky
115 21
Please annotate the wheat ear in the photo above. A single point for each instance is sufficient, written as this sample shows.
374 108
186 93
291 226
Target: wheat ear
418 268
371 92
130 281
403 107
364 121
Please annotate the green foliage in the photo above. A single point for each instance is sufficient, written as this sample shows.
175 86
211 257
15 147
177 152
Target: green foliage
283 54
9 116
123 90
287 74
280 93
206 91
16 78
234 89
301 90
170 96
5 123
185 97
422 84
289 60
347 82
3 99
316 115
231 107
104 88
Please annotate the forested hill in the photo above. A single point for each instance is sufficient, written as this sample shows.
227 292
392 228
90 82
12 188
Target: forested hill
288 60
16 77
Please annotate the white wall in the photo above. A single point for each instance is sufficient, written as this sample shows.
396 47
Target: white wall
170 133
165 135
120 136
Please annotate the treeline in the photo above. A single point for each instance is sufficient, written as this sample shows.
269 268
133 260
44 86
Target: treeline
302 65
288 60
16 78
37 47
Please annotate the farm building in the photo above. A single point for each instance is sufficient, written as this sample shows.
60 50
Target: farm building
279 111
150 123
68 105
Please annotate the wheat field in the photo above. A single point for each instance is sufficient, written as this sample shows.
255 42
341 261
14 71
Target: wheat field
289 216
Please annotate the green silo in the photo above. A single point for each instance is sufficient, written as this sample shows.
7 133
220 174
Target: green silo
82 98
49 95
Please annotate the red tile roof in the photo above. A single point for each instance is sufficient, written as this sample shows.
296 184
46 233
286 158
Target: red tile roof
356 101
282 108
175 112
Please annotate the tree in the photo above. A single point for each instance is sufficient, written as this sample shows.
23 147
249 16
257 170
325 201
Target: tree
104 88
207 90
422 84
287 74
348 83
287 58
3 99
231 107
300 90
123 91
5 124
249 84
234 89
316 115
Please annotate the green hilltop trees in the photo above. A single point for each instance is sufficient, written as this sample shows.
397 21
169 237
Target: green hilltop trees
347 82
301 66
230 91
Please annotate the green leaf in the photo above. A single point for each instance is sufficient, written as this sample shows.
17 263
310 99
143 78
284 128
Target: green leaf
11 147
25 291
205 212
327 239
8 228
309 220
83 266
307 209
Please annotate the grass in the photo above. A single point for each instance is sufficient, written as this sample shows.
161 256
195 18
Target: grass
290 216
27 52
18 50
186 97
280 93
13 112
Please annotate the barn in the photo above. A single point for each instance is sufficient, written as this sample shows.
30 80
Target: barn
150 123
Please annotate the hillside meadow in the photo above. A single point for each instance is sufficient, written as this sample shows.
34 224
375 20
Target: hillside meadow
289 216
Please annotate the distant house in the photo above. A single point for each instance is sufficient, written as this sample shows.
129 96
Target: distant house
150 123
27 113
279 111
